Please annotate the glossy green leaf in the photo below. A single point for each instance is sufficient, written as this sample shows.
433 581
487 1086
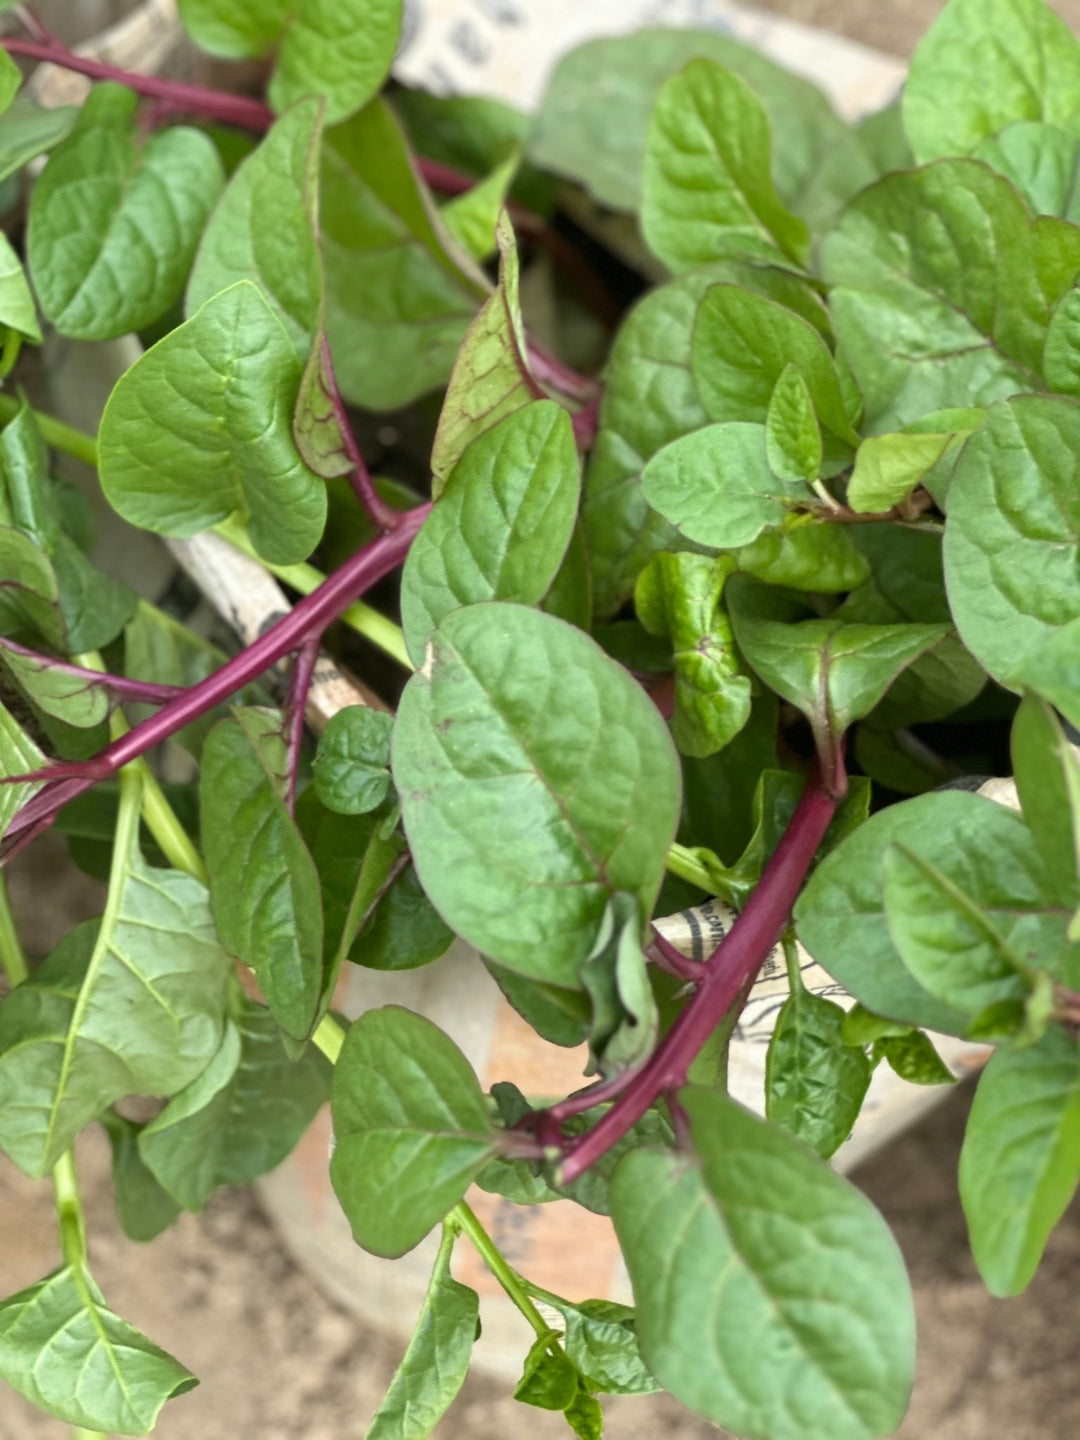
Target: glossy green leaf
889 467
502 526
580 789
835 673
943 290
143 1208
263 883
70 698
235 29
600 1340
411 1123
340 49
679 596
715 486
743 342
1052 669
351 770
112 1012
491 377
240 1117
63 1349
1012 542
792 433
278 179
27 131
594 117
437 1360
805 554
114 224
399 295
815 1083
473 218
913 1058
17 308
1020 1161
944 937
548 1381
977 845
1042 162
200 428
558 1015
984 64
771 1296
1048 782
707 188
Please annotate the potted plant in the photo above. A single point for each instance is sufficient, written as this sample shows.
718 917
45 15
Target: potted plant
748 614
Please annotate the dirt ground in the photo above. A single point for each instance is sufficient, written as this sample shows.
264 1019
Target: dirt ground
280 1362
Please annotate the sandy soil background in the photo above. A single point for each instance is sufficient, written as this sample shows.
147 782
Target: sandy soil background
279 1362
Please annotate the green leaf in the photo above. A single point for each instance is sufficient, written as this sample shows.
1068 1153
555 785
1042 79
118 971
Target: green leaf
930 323
805 555
601 1342
585 1416
835 673
1048 782
27 131
240 1117
984 64
1020 1161
51 588
974 843
743 343
280 178
235 29
411 1122
340 49
10 79
1052 669
792 433
263 883
1041 161
1012 541
815 1082
559 1016
913 1058
1061 351
863 1027
594 117
112 1011
549 1381
771 1296
114 224
650 398
580 791
399 295
199 429
944 937
679 596
889 467
70 698
501 527
17 308
716 488
473 217
351 769
491 377
707 190
625 1020
143 1208
64 1350
437 1360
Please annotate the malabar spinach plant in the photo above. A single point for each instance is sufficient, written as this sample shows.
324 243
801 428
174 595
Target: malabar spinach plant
754 448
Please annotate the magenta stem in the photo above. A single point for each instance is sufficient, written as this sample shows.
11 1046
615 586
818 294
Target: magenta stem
383 515
138 690
683 967
307 657
550 371
735 961
308 619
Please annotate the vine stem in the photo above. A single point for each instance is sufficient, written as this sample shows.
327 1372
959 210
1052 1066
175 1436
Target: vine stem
516 1288
54 432
307 657
137 690
383 515
735 961
12 956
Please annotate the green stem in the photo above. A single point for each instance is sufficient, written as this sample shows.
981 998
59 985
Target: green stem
69 1210
306 578
54 432
10 353
684 863
160 817
511 1282
12 956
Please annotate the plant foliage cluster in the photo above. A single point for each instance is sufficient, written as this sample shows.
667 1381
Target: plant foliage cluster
745 604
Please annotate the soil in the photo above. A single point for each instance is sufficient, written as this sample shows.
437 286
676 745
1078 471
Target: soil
278 1361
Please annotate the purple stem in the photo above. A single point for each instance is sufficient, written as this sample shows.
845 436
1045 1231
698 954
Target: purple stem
138 690
307 657
553 372
683 967
735 961
586 423
383 515
309 617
